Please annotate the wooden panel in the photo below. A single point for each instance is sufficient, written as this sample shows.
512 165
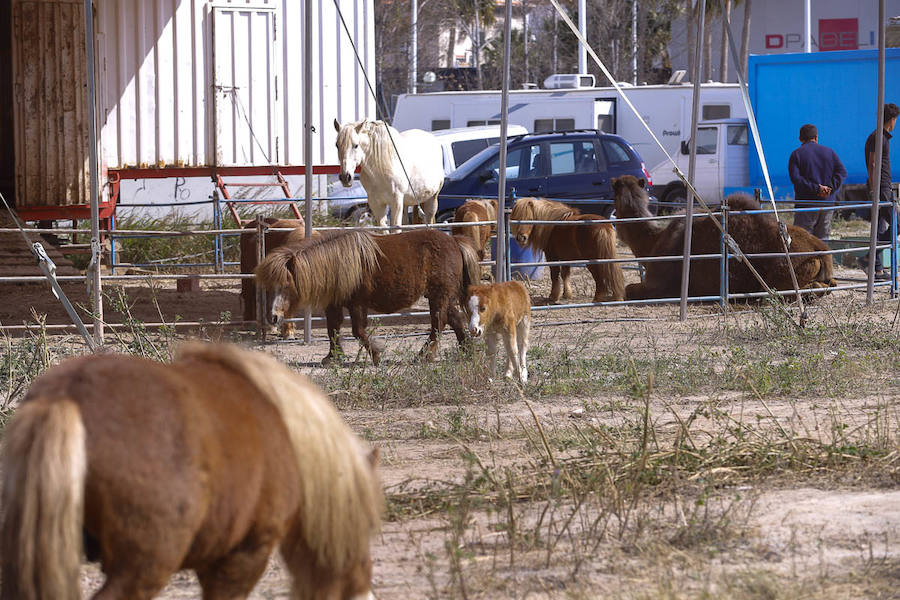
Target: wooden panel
50 103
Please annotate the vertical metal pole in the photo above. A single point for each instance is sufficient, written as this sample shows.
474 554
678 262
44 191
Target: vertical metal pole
723 266
500 268
692 162
807 26
112 243
634 43
875 173
217 221
413 46
307 140
525 79
260 294
582 28
96 283
893 246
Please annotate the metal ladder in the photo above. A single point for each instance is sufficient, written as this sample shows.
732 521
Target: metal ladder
222 187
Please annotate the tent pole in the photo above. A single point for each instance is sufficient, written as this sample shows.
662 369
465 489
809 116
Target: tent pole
875 174
96 256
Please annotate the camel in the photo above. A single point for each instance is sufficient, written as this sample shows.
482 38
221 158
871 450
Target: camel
753 233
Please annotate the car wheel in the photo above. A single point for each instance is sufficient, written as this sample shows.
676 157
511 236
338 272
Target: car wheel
445 217
673 200
361 216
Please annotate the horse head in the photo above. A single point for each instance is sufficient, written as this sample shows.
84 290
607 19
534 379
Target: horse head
352 144
275 274
523 210
630 197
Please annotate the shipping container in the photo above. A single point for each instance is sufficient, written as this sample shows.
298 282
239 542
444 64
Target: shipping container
180 83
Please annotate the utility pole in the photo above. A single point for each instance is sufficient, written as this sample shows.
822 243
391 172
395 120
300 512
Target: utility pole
476 45
582 28
525 38
634 43
413 46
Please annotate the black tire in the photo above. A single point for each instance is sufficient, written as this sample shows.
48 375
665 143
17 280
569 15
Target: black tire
361 216
673 200
445 217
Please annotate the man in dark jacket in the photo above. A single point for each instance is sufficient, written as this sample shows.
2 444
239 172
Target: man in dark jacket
817 173
891 111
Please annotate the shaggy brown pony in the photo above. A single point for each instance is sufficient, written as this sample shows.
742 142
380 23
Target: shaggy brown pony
274 239
570 242
208 463
753 233
476 211
361 271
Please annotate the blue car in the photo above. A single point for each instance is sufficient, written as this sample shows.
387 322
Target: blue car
574 167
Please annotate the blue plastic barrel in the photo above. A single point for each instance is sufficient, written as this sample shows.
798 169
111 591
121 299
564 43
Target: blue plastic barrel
519 254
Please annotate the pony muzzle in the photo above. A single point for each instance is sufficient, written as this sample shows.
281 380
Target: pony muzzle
521 238
346 178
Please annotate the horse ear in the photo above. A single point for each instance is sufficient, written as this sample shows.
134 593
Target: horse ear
374 457
361 125
642 183
337 126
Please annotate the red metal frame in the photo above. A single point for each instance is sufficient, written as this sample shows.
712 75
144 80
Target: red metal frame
114 177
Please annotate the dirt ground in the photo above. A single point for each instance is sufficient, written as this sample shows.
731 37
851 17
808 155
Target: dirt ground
789 533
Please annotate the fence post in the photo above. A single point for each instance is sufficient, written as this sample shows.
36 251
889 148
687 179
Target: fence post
893 245
260 294
219 255
723 269
112 243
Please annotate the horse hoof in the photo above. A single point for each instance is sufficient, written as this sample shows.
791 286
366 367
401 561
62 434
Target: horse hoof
329 360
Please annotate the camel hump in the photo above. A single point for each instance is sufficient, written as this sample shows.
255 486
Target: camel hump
742 202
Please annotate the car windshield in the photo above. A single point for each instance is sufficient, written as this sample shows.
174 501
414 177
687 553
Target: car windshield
471 165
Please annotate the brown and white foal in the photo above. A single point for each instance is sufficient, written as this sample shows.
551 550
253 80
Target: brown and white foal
502 309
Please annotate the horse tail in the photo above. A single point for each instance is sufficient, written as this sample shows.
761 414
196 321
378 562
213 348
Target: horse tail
471 268
605 239
45 463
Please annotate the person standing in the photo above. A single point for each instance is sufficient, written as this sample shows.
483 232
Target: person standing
891 112
817 173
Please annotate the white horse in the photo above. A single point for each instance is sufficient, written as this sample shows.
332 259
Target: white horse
367 144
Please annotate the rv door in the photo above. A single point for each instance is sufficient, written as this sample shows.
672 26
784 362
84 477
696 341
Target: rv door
605 114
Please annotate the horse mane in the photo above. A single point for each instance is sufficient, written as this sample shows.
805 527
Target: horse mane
541 209
380 154
321 271
342 500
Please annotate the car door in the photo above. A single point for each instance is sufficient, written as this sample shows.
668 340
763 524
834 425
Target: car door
577 173
525 172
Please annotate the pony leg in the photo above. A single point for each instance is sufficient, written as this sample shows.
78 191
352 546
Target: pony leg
359 318
523 329
233 577
397 213
438 309
429 207
512 351
555 288
379 215
334 316
491 340
455 319
566 273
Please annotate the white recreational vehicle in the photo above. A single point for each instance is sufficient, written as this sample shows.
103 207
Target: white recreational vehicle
665 108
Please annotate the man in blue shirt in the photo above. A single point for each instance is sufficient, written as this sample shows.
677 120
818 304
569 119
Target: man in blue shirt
891 112
817 173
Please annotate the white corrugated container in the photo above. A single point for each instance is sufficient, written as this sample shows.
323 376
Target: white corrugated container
183 83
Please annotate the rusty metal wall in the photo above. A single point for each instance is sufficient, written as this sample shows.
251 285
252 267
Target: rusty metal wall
49 103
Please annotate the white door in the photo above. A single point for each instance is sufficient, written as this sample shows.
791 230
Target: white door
245 80
707 178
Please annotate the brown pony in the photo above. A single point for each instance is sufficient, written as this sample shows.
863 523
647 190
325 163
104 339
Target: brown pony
207 463
753 233
361 271
273 239
476 211
570 242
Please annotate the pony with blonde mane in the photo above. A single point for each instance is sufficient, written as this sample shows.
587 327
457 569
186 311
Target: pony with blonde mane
569 242
361 271
476 211
207 463
397 169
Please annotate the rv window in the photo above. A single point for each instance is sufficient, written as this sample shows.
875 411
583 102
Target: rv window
716 111
737 135
616 153
545 125
493 121
438 124
474 123
542 125
706 140
606 124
